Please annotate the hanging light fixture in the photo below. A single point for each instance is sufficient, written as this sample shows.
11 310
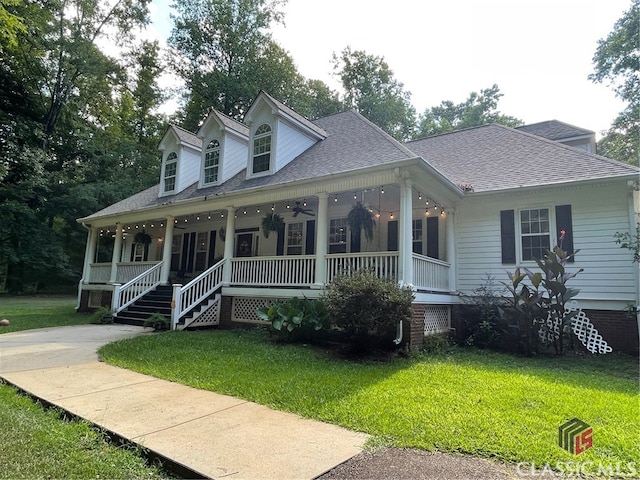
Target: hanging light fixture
355 196
244 212
304 202
382 189
335 198
426 212
258 210
391 216
419 196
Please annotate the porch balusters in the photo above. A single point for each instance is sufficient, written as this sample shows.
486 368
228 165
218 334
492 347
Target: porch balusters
322 229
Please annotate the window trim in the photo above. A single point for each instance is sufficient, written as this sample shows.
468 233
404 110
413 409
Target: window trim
551 234
301 244
170 160
257 136
218 166
346 242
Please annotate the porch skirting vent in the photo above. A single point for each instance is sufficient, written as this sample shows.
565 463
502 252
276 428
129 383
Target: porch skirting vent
437 319
243 309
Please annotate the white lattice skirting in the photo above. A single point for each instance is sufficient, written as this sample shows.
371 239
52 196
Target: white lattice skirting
581 327
210 316
437 318
243 309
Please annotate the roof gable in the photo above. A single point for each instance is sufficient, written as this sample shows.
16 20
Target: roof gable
555 130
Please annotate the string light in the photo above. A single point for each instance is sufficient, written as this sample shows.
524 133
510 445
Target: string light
304 202
209 217
419 196
335 198
355 197
244 212
222 215
391 216
382 189
426 212
273 207
288 206
197 217
258 210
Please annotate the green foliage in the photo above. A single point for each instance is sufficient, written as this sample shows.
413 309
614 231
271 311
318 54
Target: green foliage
360 219
616 61
464 400
102 315
478 109
630 241
368 308
296 319
272 222
482 324
537 308
371 88
157 321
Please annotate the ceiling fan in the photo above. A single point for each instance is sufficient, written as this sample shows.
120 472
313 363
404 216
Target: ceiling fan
306 211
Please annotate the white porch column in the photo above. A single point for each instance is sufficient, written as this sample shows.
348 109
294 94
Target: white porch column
322 240
166 250
405 245
229 242
89 253
117 253
451 248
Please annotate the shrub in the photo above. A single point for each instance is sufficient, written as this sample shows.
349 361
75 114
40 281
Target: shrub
102 315
157 321
482 325
368 308
296 319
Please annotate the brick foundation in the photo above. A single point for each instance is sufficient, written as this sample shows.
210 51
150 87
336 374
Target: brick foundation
225 312
413 333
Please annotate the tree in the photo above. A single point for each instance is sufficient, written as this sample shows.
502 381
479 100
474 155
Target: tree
478 109
371 88
10 25
225 54
616 60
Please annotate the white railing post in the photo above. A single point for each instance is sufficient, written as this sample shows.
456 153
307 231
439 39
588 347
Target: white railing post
176 301
228 245
115 300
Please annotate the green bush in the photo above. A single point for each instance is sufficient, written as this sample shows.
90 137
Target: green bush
297 319
482 325
368 308
157 321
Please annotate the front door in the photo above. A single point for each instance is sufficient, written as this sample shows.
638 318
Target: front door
244 245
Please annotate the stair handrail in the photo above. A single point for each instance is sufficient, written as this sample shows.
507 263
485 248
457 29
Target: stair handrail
187 297
136 288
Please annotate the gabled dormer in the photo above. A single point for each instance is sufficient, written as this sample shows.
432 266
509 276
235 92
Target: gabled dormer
180 160
277 135
225 143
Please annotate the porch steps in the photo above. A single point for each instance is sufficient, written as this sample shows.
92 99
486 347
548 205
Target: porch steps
159 300
206 314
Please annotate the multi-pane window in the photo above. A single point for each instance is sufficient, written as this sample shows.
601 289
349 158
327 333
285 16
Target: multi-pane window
212 162
417 235
170 171
534 233
294 239
262 149
338 235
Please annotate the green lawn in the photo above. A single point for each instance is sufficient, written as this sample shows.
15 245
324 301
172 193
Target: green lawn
37 443
474 402
39 311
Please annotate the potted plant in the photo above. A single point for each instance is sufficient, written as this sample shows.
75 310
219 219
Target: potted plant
360 219
142 237
272 222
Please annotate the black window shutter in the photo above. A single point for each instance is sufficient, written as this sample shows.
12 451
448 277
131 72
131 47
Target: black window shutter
508 236
564 222
212 248
280 243
310 241
392 236
432 237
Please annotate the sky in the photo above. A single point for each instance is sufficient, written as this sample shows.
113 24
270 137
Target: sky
538 52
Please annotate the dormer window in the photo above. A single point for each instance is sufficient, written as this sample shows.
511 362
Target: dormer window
262 149
212 162
170 171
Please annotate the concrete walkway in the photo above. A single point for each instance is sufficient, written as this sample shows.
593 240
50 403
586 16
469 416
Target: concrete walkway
211 435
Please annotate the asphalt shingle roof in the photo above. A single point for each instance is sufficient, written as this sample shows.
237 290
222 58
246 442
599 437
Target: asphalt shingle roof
555 130
495 157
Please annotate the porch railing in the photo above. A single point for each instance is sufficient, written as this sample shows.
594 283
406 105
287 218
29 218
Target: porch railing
382 264
430 273
187 297
125 295
291 271
101 272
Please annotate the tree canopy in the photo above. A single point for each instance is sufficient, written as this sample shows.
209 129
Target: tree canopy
617 60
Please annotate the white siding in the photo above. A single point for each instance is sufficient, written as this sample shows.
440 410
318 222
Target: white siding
188 168
598 212
235 157
290 144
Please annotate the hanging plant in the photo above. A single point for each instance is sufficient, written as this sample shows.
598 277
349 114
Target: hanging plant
361 219
142 237
273 222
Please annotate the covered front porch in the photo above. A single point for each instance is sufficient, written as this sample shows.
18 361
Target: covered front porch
204 250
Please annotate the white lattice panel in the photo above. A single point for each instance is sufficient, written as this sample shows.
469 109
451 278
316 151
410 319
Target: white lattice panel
581 327
436 319
208 317
243 309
